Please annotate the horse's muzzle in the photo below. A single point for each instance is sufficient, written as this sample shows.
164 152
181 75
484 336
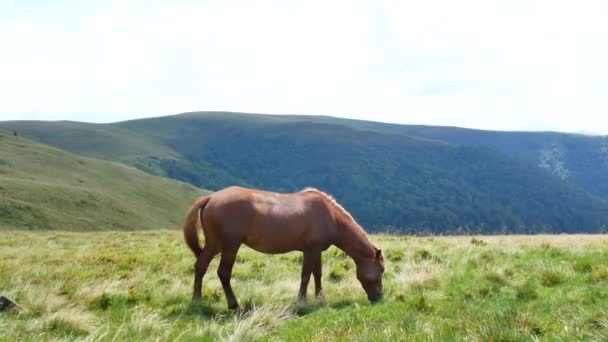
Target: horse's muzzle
374 298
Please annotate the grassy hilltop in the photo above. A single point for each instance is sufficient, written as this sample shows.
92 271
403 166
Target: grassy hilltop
137 286
45 188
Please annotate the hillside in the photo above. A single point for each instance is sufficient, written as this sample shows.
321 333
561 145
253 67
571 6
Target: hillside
385 177
575 158
45 188
579 159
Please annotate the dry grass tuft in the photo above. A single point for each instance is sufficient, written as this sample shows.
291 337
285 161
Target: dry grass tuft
148 322
69 321
257 322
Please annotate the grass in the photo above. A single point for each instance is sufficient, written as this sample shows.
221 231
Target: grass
137 286
45 188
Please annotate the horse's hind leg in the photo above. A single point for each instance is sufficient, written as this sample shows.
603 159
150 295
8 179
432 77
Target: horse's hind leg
200 268
224 272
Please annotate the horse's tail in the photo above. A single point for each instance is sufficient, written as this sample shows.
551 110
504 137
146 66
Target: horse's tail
190 227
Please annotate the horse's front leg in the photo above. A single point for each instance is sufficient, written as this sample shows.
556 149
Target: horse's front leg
311 264
317 272
307 266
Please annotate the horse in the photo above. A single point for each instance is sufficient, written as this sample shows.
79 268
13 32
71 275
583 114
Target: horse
309 221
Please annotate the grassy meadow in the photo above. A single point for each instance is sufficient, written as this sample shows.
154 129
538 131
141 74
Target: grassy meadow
116 286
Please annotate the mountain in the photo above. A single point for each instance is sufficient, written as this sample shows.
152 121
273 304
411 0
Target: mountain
579 159
42 187
390 176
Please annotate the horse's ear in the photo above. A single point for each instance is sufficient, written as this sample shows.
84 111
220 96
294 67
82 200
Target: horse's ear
378 253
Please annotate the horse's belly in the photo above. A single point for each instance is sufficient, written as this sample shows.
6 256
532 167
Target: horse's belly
277 241
263 248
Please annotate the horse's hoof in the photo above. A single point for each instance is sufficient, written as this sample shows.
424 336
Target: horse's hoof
237 309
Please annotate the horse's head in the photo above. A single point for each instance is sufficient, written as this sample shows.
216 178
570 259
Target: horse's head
369 273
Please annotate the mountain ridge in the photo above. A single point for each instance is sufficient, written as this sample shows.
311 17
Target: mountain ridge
409 177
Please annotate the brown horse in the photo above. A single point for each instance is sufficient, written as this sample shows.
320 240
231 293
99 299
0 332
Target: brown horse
309 221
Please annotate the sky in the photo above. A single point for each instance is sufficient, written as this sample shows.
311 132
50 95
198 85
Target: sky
505 65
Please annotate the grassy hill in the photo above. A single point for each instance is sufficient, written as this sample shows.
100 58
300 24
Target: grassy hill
386 177
42 187
136 286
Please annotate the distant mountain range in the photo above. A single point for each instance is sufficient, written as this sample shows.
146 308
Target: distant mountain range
395 177
588 133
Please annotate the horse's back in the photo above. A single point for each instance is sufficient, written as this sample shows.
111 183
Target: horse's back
226 211
269 222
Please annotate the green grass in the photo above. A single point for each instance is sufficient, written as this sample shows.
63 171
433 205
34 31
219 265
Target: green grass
45 188
137 286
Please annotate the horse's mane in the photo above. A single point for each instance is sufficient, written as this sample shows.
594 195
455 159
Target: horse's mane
332 201
347 219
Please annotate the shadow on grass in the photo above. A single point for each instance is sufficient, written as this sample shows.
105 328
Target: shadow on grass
202 309
209 309
306 309
193 310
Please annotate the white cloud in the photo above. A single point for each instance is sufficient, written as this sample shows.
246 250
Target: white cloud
486 64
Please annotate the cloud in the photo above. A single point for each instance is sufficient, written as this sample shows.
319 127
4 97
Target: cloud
485 64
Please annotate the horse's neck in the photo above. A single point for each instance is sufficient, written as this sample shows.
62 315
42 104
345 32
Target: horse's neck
353 241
